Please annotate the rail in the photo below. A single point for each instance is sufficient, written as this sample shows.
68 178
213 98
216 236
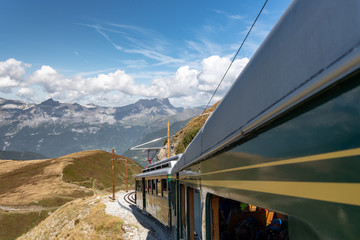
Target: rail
130 198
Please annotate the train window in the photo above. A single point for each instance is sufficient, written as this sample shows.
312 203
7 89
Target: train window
149 187
153 187
230 219
164 192
197 215
158 187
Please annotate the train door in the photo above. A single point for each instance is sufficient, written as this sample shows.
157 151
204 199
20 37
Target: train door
182 211
193 212
143 192
172 203
197 215
138 195
178 209
212 217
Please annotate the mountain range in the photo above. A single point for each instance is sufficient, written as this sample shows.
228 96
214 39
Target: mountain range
53 129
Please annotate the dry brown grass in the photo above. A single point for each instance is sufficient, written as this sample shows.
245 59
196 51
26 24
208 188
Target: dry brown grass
28 182
10 165
80 219
31 189
14 224
185 135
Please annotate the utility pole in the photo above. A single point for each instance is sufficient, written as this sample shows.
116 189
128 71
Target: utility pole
126 171
168 139
113 173
126 176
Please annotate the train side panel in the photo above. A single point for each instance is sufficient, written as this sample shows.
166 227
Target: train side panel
139 189
157 201
304 164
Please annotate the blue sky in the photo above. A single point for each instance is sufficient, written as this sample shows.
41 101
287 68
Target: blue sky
112 53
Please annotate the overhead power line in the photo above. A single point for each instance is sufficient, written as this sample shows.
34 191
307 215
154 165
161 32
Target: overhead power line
139 147
152 141
235 55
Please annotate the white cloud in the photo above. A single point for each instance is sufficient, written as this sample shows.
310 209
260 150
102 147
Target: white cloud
213 69
13 68
136 41
230 16
50 79
118 80
182 83
204 46
26 92
194 86
11 73
8 82
188 86
163 59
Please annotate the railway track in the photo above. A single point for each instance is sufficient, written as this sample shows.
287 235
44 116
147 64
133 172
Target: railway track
130 198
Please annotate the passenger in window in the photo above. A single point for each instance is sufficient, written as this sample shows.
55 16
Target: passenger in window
284 232
246 230
224 207
272 231
244 207
225 235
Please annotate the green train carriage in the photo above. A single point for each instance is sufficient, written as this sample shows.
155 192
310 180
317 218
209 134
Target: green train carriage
153 191
284 143
285 140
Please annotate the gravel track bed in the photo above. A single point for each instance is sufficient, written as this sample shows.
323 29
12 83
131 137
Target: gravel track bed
137 225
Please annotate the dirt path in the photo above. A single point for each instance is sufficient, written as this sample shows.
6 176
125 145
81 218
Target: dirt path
137 225
26 208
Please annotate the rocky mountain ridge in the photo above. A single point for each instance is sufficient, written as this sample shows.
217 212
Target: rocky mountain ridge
53 128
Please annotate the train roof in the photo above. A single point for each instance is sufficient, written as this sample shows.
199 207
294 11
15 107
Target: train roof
163 167
313 45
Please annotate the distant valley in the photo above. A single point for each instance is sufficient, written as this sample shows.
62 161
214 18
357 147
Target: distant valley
14 155
54 129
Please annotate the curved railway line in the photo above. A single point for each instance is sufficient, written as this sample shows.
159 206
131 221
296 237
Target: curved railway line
130 198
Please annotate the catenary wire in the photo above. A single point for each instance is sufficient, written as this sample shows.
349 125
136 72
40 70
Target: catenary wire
235 55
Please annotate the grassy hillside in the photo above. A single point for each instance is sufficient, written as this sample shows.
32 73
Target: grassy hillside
31 190
94 171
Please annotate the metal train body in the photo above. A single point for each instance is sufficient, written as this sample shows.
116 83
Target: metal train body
286 137
153 189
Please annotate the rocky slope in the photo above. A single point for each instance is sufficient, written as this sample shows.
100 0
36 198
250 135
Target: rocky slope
182 138
79 219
